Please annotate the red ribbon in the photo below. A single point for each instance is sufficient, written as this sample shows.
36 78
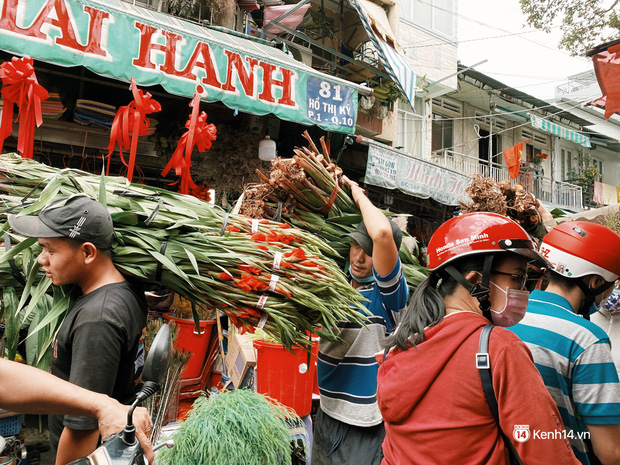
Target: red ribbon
129 123
21 88
198 133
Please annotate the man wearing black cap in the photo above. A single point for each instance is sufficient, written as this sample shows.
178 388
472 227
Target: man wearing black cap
97 344
349 428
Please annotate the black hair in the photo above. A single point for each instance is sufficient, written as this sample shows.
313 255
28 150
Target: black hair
426 307
76 243
563 282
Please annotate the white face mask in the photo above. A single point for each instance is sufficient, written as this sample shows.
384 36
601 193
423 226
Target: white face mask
514 308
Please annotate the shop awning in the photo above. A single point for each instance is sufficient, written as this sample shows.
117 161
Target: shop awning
378 28
119 40
610 128
393 169
560 131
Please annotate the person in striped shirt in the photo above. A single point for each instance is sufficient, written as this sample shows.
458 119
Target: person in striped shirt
573 354
349 428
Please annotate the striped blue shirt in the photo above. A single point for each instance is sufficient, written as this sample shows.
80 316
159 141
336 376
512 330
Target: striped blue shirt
348 372
573 356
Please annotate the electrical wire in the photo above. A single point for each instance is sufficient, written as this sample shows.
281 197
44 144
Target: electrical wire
512 34
500 113
467 18
468 142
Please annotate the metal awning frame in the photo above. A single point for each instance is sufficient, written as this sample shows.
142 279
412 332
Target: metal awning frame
318 44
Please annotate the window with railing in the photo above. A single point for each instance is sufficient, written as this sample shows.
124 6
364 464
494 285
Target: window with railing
436 15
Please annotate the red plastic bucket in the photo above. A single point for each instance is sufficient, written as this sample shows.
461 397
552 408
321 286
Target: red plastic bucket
286 377
191 341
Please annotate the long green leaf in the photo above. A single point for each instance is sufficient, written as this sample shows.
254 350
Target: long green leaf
102 197
31 277
17 249
12 324
36 297
165 261
54 315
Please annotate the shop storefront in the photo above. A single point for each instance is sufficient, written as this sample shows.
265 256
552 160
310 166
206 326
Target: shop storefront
121 41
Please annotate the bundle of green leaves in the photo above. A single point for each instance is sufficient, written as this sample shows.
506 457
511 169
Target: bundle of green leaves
259 272
232 428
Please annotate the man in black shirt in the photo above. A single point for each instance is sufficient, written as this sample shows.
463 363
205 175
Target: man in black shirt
97 344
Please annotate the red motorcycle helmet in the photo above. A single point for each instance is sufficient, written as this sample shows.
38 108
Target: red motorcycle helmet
478 233
579 248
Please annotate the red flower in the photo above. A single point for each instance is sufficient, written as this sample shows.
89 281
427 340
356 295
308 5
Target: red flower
286 238
296 253
282 291
249 283
243 285
259 237
251 312
225 276
249 269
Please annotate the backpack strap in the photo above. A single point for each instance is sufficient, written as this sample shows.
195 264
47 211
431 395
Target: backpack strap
483 363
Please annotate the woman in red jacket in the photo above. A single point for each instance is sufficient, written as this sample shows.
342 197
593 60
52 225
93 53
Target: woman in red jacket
429 387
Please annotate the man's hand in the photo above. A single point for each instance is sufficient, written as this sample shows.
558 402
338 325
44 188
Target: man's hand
356 190
40 392
113 417
144 425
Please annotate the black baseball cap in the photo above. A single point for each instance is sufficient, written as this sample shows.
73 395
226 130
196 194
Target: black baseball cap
360 235
77 217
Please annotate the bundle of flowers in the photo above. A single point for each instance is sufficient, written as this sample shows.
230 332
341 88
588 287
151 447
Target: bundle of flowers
304 191
514 201
260 273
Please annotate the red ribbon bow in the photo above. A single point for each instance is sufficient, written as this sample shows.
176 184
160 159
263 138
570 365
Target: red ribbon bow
129 123
198 133
21 88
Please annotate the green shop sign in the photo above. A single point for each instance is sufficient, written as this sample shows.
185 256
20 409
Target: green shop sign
121 41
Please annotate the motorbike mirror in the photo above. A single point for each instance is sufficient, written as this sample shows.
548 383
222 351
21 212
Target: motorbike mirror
155 368
159 357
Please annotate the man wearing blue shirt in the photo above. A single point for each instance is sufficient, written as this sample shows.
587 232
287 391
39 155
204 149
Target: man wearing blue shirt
573 354
349 428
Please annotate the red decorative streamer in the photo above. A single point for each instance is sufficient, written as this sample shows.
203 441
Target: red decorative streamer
21 88
198 133
129 123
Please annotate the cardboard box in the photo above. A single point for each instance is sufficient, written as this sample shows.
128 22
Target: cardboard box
240 356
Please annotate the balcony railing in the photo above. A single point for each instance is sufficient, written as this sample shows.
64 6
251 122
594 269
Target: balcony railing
562 194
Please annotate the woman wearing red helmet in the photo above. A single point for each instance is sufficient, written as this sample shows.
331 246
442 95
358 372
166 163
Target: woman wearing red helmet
429 384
